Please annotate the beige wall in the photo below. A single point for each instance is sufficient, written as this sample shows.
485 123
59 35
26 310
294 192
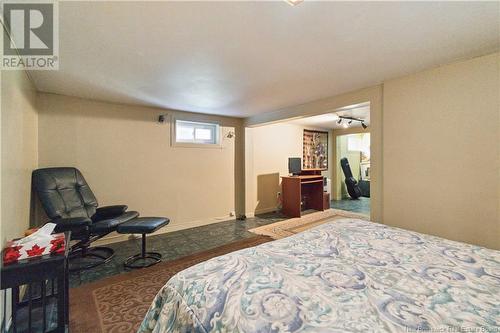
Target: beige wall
267 151
354 159
19 128
441 151
126 157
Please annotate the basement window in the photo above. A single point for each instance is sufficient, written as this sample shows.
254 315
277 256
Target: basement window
353 142
196 133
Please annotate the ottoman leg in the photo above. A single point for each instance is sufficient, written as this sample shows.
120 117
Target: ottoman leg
144 259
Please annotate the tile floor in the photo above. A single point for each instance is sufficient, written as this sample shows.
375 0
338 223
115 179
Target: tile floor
176 244
361 205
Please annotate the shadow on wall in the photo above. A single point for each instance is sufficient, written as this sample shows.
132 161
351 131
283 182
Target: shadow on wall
268 186
38 217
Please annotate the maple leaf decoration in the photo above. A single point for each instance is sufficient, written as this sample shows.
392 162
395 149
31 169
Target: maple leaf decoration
57 245
11 254
35 251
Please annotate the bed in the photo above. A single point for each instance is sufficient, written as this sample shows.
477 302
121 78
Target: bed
344 276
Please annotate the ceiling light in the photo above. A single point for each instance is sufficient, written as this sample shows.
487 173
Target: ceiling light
293 2
364 126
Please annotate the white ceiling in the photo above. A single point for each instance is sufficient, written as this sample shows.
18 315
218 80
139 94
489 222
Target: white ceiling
329 120
245 58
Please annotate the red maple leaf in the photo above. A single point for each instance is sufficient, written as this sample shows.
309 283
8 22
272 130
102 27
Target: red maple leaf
11 254
35 251
57 245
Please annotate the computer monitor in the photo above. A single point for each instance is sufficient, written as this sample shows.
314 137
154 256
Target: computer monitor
294 165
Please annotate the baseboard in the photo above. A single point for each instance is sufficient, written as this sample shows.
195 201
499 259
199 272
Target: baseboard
116 237
265 210
261 211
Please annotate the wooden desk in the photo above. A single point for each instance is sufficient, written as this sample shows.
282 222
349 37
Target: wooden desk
306 187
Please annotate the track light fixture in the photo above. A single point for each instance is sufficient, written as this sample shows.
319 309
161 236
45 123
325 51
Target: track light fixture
350 120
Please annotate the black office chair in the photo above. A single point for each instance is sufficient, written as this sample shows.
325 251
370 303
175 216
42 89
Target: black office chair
71 205
350 182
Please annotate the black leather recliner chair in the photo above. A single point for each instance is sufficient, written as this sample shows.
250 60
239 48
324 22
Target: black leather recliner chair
350 182
69 202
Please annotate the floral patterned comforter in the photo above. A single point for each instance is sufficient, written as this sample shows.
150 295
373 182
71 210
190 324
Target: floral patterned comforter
345 276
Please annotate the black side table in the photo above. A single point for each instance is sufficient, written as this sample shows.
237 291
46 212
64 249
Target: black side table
39 270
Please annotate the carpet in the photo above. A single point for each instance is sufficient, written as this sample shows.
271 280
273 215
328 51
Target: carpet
295 225
119 303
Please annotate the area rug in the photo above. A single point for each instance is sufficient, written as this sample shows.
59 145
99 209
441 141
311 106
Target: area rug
295 225
119 303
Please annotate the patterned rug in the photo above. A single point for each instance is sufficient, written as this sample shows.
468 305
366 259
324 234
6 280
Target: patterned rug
293 226
119 303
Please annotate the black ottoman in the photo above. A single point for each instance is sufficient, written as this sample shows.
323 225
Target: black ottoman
142 225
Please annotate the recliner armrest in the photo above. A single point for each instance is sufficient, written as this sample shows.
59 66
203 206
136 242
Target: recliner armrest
71 223
109 212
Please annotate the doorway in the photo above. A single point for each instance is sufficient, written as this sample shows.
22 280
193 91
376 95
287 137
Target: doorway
269 147
355 148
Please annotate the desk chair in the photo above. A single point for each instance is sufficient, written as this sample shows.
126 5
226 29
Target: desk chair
350 182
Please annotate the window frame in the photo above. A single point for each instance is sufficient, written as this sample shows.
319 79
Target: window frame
175 143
